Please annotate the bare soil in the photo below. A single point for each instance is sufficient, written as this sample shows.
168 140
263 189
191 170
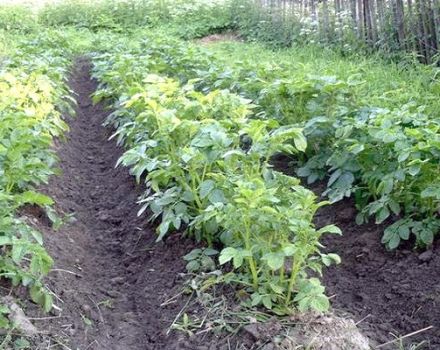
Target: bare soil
389 293
110 276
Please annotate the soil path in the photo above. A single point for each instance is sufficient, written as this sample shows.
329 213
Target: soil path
114 301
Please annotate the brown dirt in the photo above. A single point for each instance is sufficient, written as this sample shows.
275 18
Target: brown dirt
390 293
111 298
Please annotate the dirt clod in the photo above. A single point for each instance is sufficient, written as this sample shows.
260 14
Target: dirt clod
324 332
17 317
252 330
426 256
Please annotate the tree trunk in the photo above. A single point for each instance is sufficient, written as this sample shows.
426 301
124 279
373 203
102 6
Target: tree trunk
313 7
422 37
381 14
432 28
325 21
437 15
399 24
367 22
353 10
360 19
373 19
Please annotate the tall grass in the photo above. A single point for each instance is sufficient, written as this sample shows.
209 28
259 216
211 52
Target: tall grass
193 18
383 82
17 18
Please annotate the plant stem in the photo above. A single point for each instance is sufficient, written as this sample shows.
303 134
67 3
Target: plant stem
295 269
194 191
251 260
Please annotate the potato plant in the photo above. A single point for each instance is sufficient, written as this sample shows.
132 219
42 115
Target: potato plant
396 185
276 94
388 159
32 96
205 161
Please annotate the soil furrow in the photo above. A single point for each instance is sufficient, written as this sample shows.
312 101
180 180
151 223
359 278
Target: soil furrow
122 277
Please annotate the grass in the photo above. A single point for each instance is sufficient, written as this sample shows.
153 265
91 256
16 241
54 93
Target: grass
385 84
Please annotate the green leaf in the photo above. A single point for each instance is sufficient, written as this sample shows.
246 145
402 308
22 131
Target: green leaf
207 263
382 215
320 303
256 299
431 192
163 230
227 255
404 232
4 323
267 302
188 196
18 252
37 295
403 156
37 236
387 186
394 242
300 142
289 249
304 171
356 148
394 206
87 321
21 344
236 255
329 259
238 259
427 236
32 197
274 260
334 176
5 240
360 218
194 254
206 187
217 196
193 266
47 302
330 229
210 252
413 170
277 288
344 181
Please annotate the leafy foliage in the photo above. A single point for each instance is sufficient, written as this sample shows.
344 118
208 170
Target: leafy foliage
201 124
32 97
204 158
117 15
397 182
17 19
388 159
